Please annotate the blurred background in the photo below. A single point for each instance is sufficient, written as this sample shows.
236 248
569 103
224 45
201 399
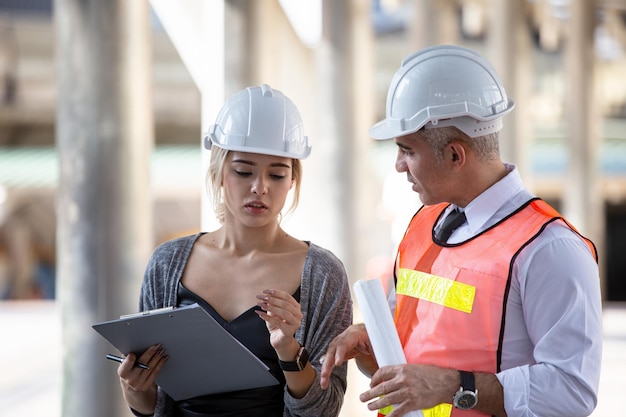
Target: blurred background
102 109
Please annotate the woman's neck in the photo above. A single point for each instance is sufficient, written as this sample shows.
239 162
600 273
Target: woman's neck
247 241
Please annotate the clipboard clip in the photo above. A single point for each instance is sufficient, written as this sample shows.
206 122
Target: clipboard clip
147 312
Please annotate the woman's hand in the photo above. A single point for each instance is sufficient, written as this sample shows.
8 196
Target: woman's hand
282 315
138 386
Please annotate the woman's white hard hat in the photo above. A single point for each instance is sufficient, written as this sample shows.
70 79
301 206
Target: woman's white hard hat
444 85
259 120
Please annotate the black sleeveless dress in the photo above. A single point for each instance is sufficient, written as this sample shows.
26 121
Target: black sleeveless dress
251 331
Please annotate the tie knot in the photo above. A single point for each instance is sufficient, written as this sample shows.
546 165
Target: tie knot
451 222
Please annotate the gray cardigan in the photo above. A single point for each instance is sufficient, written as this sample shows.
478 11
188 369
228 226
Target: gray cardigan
326 307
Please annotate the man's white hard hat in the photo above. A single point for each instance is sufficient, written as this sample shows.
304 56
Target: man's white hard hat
444 85
259 120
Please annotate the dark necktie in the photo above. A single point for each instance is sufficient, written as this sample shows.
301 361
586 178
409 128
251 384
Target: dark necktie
452 221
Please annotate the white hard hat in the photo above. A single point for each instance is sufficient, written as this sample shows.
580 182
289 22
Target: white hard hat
440 86
259 120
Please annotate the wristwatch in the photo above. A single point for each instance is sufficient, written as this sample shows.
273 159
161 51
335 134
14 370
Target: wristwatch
302 358
467 395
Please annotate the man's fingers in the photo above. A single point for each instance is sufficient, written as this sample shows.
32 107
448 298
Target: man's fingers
327 367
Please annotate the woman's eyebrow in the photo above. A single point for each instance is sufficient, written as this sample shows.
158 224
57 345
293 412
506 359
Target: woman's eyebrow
280 165
243 161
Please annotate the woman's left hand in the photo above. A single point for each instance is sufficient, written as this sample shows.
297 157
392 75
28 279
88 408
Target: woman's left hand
282 316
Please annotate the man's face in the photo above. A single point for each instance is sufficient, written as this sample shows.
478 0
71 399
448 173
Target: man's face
428 174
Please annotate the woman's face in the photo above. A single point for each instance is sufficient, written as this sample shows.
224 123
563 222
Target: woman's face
255 187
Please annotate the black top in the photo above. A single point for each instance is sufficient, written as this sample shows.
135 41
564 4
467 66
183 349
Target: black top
252 332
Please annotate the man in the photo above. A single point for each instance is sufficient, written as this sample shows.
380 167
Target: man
502 316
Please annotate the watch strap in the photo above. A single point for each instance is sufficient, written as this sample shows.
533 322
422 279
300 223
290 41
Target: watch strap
302 358
467 381
466 397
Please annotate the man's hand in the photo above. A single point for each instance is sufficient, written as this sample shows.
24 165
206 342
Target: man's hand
352 343
411 387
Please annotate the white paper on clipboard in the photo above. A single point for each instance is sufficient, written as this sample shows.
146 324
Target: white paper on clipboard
203 357
380 326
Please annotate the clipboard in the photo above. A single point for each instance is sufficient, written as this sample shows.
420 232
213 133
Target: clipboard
203 357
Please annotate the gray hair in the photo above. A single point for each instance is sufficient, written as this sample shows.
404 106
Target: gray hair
487 146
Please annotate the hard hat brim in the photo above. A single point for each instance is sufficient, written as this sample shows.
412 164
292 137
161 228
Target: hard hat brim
469 123
263 151
382 131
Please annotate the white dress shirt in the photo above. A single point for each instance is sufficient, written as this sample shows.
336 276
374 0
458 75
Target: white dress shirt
552 343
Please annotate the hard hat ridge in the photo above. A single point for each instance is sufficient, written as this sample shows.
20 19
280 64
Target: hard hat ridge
259 120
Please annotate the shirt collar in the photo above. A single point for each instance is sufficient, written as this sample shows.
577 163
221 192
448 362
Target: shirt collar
485 206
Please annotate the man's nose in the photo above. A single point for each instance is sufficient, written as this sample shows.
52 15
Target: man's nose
400 164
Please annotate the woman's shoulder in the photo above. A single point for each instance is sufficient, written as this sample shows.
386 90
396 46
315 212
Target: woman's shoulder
316 251
175 245
325 276
179 241
321 257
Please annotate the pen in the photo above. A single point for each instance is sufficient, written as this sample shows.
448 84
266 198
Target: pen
120 360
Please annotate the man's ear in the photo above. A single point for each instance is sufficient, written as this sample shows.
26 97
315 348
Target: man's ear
456 152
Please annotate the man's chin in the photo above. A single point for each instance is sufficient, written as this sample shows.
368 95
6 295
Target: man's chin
426 199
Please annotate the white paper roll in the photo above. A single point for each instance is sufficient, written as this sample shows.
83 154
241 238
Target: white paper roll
380 327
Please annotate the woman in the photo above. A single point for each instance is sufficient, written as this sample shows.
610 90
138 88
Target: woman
283 298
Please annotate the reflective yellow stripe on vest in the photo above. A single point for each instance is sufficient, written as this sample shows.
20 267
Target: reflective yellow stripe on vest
441 410
439 290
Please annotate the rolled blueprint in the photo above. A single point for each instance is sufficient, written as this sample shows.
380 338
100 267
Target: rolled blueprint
380 327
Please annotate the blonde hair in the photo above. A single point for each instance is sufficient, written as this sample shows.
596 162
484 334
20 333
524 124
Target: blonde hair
215 175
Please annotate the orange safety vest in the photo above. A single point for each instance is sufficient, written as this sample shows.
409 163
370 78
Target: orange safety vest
451 298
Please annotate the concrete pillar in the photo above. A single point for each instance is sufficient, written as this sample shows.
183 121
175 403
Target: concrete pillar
433 22
104 136
344 67
510 53
583 201
213 93
197 30
345 103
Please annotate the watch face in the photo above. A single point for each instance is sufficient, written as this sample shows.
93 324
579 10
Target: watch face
465 400
303 358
